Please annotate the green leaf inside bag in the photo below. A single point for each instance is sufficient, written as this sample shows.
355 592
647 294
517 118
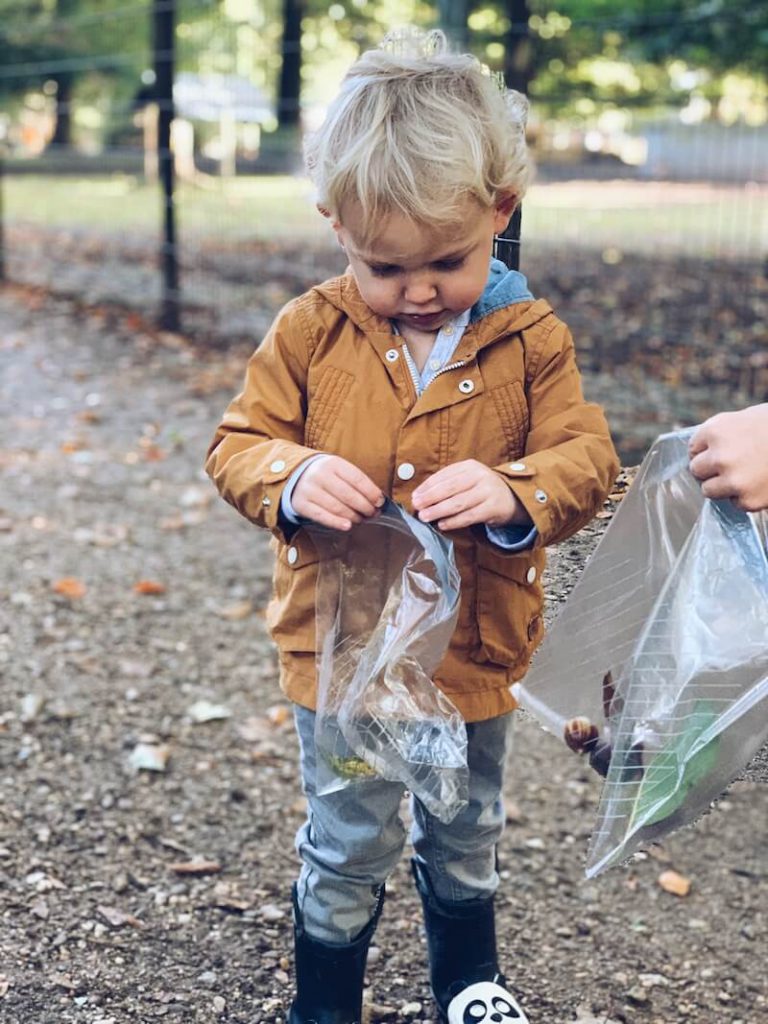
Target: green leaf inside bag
672 773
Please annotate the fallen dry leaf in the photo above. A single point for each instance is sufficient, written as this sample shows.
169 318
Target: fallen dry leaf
69 587
152 453
39 908
236 611
206 711
279 715
195 867
150 757
118 918
255 729
172 523
89 416
671 881
226 898
149 587
63 981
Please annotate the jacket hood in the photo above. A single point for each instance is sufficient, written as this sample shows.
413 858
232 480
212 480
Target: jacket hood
506 303
503 288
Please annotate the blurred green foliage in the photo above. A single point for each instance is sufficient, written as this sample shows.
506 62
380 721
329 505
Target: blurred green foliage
571 55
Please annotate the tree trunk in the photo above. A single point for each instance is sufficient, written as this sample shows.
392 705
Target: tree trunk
62 134
453 21
518 50
289 87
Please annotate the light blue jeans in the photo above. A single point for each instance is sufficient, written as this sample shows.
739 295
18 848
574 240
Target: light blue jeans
353 838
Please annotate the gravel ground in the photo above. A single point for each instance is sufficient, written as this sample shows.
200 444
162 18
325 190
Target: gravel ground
132 612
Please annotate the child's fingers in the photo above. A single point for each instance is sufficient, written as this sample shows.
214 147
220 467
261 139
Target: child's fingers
698 442
703 465
349 495
450 480
336 520
451 506
469 517
718 487
360 483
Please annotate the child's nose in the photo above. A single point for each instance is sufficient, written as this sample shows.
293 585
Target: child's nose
420 290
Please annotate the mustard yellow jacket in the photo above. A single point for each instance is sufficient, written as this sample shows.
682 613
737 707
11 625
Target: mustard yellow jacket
330 377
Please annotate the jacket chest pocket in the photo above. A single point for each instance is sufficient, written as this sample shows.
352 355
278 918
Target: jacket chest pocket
509 606
511 408
324 404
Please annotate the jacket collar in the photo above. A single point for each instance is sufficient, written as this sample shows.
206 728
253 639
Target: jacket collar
505 306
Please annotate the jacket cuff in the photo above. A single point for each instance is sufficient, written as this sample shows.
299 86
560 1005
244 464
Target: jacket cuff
521 478
512 538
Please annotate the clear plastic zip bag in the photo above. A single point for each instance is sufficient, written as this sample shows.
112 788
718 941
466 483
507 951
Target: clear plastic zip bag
657 667
387 601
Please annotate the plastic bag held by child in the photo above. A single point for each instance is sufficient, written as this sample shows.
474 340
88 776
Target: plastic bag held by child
386 606
657 669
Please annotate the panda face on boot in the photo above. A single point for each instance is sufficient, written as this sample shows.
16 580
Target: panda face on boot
485 1003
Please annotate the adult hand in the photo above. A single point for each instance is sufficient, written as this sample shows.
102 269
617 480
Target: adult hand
729 454
466 493
335 493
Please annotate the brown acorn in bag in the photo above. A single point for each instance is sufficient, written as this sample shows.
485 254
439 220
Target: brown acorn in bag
583 737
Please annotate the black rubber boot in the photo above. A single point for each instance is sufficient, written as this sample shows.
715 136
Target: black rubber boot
461 941
330 976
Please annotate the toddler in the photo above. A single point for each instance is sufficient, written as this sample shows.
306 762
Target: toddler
427 373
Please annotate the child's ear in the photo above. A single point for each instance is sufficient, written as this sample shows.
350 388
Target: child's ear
328 216
505 207
335 222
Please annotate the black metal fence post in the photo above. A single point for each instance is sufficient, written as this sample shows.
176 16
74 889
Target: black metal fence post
164 22
507 245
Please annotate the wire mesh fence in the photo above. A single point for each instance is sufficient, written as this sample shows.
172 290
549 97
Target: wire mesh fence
141 167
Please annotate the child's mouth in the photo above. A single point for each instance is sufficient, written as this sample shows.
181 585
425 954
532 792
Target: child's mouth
423 318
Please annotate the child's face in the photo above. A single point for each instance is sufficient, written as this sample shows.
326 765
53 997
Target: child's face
419 276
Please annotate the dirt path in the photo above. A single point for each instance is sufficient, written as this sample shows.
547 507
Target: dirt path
107 915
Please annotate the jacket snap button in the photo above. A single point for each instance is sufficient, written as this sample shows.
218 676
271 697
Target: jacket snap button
541 496
266 502
517 467
406 471
277 466
467 387
292 556
531 574
391 355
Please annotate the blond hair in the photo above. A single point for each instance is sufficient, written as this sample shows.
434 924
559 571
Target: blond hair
418 130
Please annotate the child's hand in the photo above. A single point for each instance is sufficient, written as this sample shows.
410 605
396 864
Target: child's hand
466 493
333 492
729 454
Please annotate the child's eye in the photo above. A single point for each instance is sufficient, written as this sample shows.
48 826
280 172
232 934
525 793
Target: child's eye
450 264
383 269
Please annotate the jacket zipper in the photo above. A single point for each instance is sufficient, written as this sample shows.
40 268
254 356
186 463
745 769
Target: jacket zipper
450 366
415 373
412 370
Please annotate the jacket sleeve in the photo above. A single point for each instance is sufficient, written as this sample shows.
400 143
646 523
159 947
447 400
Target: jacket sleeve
259 442
570 463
